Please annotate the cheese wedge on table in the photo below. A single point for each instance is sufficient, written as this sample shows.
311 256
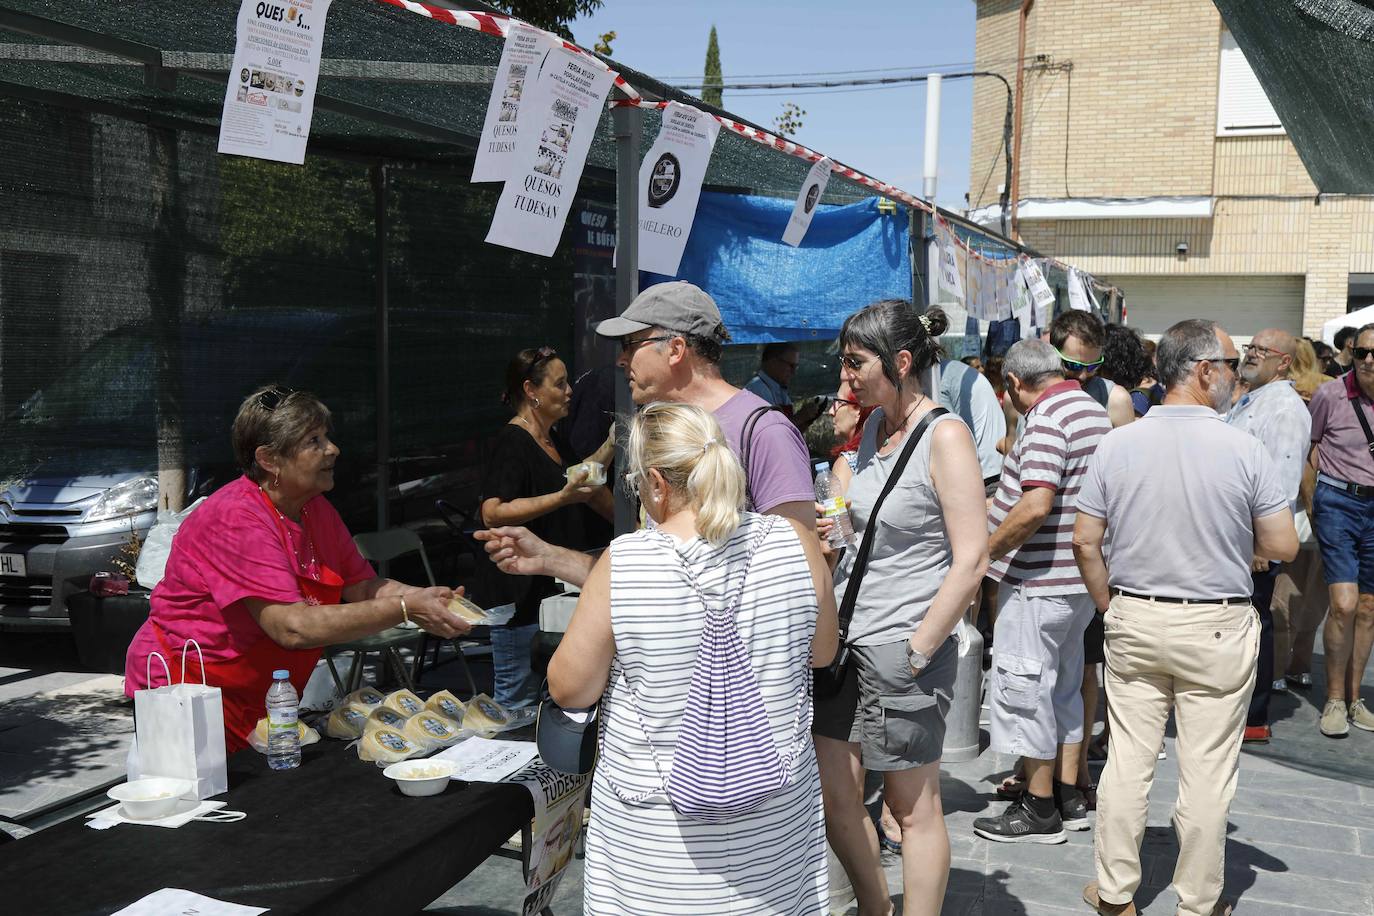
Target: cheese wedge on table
429 730
370 697
404 702
347 721
485 715
385 717
305 733
446 705
386 745
467 610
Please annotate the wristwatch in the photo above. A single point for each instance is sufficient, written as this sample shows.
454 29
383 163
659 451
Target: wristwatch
916 658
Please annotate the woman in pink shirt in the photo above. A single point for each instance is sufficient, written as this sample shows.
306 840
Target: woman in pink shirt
264 574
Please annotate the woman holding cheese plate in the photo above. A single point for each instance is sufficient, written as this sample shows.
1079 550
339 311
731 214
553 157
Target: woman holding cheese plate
264 574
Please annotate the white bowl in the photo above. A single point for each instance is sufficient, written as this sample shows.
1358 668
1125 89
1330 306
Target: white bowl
150 798
420 777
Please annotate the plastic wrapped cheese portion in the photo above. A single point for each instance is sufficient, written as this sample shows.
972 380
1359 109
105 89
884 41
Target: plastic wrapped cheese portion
258 740
385 717
347 721
370 697
467 610
404 702
430 730
446 705
485 715
386 745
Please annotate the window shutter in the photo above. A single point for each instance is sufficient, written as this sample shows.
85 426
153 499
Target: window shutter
1242 106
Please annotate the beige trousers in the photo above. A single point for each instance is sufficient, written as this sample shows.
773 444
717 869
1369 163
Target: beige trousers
1199 661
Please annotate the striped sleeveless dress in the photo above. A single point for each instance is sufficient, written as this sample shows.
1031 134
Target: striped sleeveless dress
645 858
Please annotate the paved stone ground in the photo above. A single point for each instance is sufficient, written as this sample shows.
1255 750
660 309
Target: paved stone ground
1301 839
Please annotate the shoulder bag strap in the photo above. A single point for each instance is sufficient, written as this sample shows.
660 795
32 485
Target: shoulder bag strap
746 448
856 574
1364 421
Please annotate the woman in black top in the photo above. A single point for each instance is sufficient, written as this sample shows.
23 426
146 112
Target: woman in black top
525 484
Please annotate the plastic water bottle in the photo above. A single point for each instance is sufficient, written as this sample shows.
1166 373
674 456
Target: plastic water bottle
283 741
842 532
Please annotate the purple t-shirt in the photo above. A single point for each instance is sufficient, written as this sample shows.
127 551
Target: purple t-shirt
778 470
1342 450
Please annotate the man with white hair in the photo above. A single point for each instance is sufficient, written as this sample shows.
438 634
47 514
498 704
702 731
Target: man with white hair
1273 412
1043 606
1188 503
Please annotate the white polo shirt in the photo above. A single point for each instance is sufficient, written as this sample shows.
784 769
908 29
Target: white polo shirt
1180 490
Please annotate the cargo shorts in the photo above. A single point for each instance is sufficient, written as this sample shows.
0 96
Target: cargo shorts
895 715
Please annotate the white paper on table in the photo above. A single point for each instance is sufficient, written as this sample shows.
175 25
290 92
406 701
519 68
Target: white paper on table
670 180
173 901
485 760
557 122
516 74
807 200
270 99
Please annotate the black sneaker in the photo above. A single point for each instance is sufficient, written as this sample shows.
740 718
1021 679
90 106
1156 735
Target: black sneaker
1073 813
1018 824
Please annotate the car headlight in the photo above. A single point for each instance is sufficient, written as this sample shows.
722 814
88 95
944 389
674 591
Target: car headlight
129 498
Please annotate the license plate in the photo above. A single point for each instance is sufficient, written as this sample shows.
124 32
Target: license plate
12 564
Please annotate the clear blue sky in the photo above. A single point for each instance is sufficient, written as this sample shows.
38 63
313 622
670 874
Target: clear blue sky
879 131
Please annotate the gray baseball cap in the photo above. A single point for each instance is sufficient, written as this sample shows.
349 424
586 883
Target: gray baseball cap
676 306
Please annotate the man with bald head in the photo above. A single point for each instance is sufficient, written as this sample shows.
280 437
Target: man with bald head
1273 412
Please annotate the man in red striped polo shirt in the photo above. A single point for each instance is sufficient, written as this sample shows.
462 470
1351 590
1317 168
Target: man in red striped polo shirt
1043 605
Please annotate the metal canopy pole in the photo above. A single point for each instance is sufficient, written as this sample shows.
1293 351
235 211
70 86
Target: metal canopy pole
379 189
628 122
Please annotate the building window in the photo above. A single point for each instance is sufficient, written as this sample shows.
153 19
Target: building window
1242 107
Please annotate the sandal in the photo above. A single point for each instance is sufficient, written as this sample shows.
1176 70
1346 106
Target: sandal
1012 788
887 845
1097 748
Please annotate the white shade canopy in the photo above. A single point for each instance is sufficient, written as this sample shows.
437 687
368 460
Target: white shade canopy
1355 319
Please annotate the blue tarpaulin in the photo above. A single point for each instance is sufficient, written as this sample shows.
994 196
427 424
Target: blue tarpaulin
768 291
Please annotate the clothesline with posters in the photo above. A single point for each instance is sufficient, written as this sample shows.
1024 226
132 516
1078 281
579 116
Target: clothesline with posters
499 25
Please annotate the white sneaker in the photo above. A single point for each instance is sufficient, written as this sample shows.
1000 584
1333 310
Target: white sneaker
1279 685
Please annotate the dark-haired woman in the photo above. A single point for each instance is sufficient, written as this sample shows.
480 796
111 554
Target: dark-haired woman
526 483
263 574
929 555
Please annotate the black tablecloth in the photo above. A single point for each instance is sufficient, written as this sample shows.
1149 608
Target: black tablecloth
333 836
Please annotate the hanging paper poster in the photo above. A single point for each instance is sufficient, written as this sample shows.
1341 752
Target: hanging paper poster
807 201
1006 274
1041 294
670 184
558 119
1079 299
550 839
518 69
270 98
950 281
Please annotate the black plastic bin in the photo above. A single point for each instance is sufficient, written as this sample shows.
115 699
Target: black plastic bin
104 627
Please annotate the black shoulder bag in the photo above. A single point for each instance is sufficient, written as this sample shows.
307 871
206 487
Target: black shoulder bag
827 681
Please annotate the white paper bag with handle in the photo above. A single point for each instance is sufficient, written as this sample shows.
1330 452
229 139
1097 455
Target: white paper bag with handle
179 731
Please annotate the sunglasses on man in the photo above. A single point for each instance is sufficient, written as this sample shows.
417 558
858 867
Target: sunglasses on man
1075 366
1361 353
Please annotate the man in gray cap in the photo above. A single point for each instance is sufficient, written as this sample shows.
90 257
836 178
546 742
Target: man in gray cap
671 341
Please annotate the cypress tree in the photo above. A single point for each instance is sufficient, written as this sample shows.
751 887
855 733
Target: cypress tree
713 84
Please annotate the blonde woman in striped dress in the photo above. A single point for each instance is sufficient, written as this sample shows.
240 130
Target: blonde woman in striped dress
633 643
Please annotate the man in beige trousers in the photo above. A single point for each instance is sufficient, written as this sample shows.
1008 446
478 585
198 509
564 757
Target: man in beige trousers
1188 502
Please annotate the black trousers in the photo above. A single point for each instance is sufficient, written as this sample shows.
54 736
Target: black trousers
1262 597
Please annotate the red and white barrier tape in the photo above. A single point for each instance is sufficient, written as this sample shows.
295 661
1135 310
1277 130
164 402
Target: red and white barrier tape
496 24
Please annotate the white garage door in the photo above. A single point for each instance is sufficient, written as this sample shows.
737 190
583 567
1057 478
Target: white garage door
1242 305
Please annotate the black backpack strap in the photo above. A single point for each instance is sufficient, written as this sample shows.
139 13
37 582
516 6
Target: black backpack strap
746 448
1364 421
856 573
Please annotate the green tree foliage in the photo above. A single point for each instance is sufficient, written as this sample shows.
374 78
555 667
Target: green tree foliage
713 84
603 44
789 121
553 15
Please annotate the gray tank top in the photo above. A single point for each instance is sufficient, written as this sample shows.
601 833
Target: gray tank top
910 550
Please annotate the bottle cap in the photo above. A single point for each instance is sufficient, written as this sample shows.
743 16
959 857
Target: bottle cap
281 674
822 466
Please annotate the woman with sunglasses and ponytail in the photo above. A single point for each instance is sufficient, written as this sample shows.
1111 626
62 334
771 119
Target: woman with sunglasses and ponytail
264 574
527 483
928 554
